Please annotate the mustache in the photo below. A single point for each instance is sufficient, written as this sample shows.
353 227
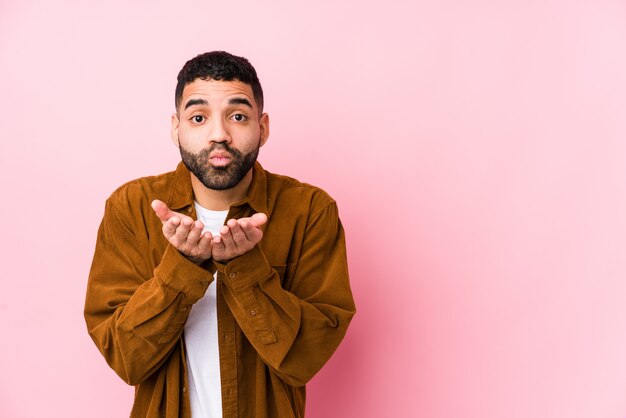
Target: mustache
202 156
221 146
217 146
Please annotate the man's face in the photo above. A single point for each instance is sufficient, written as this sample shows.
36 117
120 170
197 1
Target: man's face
219 131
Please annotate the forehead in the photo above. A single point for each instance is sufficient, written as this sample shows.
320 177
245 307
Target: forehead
216 91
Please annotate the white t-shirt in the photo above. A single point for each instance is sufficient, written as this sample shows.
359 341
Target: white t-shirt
201 343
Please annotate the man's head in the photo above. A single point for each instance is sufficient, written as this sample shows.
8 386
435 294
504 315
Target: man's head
219 66
219 124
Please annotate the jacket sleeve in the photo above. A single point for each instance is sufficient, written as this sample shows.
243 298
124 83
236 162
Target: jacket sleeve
295 330
136 312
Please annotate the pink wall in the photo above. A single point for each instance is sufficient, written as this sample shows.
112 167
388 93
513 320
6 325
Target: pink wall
477 150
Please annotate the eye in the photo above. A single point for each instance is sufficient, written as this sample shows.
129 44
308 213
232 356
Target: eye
198 118
239 117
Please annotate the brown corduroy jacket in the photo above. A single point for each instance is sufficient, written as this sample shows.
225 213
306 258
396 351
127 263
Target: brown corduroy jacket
282 308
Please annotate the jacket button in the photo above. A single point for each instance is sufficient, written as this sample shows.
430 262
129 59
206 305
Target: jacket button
233 275
184 390
253 312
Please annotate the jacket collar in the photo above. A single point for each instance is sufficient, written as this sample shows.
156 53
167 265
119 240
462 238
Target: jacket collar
181 193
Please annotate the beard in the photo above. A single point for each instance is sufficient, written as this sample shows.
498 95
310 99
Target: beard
219 178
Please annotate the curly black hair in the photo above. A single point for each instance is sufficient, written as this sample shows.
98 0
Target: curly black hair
219 65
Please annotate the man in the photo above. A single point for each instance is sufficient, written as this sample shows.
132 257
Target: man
218 289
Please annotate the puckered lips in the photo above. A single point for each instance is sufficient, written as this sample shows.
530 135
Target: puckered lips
220 158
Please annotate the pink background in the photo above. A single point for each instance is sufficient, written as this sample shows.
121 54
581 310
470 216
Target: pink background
477 150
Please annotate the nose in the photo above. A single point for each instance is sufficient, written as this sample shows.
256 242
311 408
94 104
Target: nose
218 132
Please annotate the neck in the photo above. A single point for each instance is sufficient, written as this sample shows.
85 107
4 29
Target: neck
220 199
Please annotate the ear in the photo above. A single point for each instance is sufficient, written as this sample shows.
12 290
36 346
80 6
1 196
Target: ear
264 122
174 129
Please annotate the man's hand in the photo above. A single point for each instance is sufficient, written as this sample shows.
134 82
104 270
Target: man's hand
238 237
184 233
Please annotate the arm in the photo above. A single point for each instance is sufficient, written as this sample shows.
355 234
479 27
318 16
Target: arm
135 313
295 330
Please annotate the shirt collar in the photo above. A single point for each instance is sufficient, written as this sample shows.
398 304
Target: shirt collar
181 192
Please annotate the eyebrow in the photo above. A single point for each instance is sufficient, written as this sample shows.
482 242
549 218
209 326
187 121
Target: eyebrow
195 102
240 100
233 101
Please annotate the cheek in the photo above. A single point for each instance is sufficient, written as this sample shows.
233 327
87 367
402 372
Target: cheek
249 139
251 144
191 138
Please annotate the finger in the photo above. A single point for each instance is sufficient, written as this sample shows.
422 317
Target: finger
161 210
179 239
252 233
182 232
239 238
218 249
227 239
194 233
217 244
205 244
170 226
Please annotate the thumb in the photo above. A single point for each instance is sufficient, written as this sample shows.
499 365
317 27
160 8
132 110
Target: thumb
161 210
258 219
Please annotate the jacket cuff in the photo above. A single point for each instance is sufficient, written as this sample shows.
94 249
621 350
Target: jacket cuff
246 270
178 272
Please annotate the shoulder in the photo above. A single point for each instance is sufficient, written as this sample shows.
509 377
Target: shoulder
136 195
288 193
